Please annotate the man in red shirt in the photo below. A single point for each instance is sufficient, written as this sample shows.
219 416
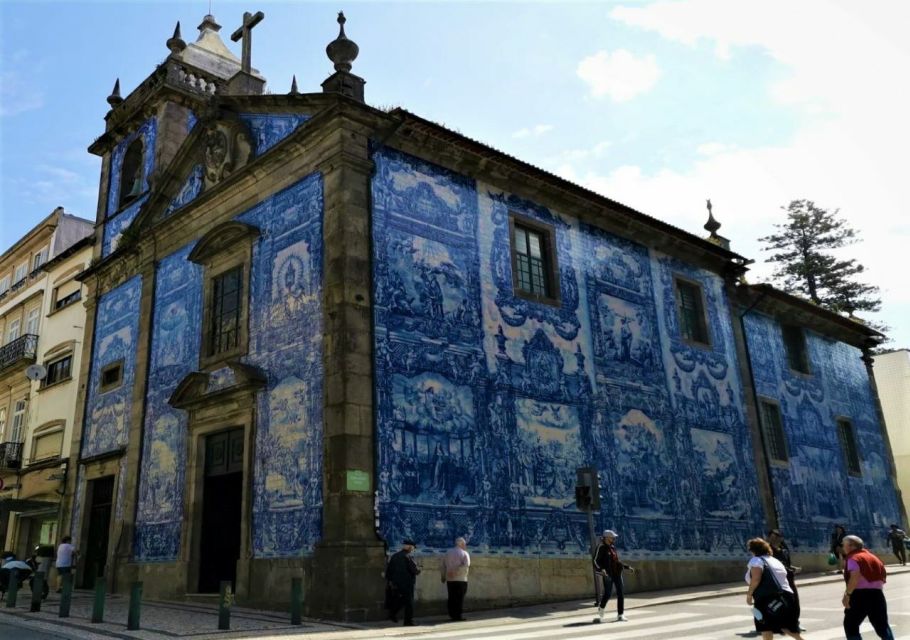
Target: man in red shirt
864 597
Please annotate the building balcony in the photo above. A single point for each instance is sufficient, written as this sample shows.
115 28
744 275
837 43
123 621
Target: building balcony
22 350
10 455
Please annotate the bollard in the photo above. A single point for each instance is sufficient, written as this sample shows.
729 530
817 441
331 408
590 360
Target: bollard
37 591
13 589
98 606
132 620
296 600
66 595
224 605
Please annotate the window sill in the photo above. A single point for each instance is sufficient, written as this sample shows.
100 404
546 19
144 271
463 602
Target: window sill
53 312
779 464
801 374
704 346
55 384
530 297
221 360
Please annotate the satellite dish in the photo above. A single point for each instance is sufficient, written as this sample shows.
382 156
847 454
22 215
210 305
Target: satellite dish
36 372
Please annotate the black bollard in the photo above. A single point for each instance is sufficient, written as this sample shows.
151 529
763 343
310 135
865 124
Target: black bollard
224 605
37 591
13 589
296 600
66 595
98 607
132 620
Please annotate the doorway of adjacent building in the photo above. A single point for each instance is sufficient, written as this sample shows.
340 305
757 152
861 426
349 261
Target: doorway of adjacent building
101 497
222 491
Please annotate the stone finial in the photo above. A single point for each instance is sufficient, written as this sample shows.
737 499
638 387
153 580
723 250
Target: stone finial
342 51
209 24
114 99
175 43
712 225
294 91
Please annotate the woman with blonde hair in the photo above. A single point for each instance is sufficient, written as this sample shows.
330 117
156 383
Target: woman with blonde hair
769 594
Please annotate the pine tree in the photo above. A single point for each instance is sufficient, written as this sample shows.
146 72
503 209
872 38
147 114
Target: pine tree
805 267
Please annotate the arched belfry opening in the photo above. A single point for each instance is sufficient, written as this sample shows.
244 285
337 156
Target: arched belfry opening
131 173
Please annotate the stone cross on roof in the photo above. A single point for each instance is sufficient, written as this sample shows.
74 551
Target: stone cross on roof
245 31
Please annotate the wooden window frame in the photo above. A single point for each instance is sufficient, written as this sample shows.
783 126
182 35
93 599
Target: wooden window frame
795 329
50 363
46 430
551 263
767 435
104 387
706 326
227 247
856 471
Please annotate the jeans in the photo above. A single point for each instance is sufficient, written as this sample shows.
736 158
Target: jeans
457 591
867 603
608 583
901 553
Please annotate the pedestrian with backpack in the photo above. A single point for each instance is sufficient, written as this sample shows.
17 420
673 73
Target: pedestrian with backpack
769 594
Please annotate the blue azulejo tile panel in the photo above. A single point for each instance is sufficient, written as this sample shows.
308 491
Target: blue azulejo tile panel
191 188
286 342
268 129
147 132
116 334
814 490
175 344
488 402
114 227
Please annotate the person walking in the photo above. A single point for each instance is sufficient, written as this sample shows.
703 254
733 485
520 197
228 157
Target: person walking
401 578
896 538
837 545
769 593
609 569
66 558
781 552
864 596
454 569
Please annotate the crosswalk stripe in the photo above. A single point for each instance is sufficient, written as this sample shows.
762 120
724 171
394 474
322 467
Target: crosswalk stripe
538 624
653 626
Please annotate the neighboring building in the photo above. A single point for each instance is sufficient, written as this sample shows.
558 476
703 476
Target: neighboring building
892 376
323 327
41 321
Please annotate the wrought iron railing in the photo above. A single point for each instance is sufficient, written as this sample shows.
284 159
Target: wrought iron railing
23 348
10 455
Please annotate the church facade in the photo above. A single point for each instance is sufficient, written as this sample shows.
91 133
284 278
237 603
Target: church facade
317 328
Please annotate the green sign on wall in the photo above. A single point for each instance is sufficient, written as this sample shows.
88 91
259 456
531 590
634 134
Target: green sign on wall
358 480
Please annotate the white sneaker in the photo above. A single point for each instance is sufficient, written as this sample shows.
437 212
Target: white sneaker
621 618
600 613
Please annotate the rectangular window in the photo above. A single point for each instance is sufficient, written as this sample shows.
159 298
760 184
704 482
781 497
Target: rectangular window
39 259
848 446
112 376
795 344
773 428
58 370
534 270
32 320
2 423
691 311
67 293
21 272
13 332
48 445
4 284
18 423
224 325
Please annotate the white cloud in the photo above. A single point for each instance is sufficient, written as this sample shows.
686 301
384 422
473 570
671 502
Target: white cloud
536 130
711 148
17 95
618 74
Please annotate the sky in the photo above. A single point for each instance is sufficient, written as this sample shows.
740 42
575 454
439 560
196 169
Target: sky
659 105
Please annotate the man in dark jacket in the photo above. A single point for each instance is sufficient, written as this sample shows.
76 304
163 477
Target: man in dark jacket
896 538
401 578
609 568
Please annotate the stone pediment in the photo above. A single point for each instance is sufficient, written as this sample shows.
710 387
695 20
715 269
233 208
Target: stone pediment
203 387
219 146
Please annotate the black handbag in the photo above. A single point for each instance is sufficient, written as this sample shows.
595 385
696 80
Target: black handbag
774 602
